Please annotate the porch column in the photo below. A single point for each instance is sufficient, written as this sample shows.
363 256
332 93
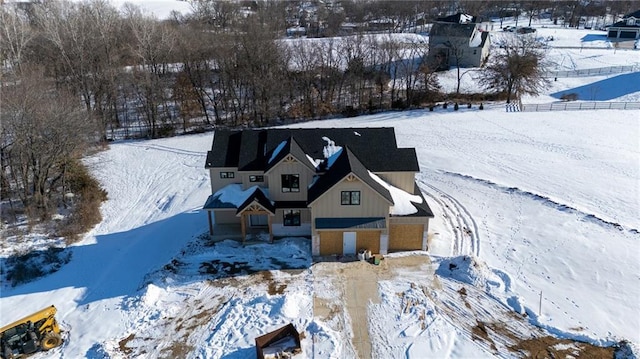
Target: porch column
210 223
243 227
270 231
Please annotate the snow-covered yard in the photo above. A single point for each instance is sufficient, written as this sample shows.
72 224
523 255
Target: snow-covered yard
527 205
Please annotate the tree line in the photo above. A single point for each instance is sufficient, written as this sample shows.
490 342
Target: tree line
76 74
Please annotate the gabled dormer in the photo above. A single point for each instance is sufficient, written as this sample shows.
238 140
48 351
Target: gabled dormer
290 171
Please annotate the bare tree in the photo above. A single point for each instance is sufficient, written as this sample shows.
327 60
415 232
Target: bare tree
43 131
16 34
152 47
516 70
81 45
215 13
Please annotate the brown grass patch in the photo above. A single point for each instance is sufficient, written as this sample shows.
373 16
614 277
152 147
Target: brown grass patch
550 347
85 212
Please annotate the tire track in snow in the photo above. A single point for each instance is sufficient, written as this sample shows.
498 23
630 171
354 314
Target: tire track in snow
153 146
545 200
449 215
466 224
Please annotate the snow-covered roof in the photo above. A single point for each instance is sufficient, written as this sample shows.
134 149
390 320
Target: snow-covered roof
233 195
403 202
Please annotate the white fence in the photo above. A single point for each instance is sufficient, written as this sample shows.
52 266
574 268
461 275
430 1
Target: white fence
577 106
594 72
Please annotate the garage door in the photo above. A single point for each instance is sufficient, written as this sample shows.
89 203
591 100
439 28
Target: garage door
627 34
405 237
330 243
369 240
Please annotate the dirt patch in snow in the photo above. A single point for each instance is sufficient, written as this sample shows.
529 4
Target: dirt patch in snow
550 347
274 287
479 332
122 344
176 350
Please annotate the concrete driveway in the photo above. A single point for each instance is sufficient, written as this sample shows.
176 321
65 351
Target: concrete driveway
357 284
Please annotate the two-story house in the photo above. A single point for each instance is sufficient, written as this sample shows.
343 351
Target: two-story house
347 189
458 40
626 29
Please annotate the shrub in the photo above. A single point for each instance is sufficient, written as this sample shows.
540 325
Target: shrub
350 111
30 266
23 272
399 104
85 212
166 130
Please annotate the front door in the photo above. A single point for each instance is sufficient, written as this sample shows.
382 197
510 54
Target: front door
258 220
349 243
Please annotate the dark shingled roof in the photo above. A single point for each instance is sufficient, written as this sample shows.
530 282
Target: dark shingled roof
456 18
250 150
345 164
445 29
635 14
623 22
225 149
213 202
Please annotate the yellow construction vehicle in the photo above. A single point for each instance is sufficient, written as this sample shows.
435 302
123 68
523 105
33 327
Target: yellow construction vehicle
38 331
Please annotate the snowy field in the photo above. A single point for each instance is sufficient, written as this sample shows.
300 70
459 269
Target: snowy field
527 205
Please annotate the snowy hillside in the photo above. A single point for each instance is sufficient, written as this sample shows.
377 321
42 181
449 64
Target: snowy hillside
536 239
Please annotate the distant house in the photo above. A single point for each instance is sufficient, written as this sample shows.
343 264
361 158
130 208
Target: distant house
458 40
626 29
348 189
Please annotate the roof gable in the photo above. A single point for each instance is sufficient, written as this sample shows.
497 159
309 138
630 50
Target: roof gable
258 197
635 14
346 163
629 20
288 147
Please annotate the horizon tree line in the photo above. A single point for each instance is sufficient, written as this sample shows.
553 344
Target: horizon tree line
77 74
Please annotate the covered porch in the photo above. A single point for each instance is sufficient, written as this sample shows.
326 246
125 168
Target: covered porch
248 215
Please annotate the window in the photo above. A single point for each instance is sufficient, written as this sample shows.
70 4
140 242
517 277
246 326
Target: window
290 183
475 52
257 178
291 217
350 198
227 175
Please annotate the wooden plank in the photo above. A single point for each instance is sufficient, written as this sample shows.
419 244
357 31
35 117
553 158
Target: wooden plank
368 240
330 243
405 237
